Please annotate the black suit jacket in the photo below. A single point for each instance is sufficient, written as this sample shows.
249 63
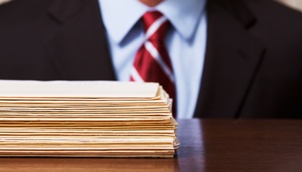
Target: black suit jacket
253 63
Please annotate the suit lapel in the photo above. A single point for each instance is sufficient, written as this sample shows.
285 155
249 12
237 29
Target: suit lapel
79 46
232 58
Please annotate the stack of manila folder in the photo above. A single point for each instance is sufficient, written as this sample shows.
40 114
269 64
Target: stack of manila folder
86 119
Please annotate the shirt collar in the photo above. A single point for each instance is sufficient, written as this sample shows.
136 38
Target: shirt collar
119 19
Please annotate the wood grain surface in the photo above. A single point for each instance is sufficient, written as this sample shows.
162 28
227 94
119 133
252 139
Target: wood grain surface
206 145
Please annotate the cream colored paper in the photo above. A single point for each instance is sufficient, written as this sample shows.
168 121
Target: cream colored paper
86 119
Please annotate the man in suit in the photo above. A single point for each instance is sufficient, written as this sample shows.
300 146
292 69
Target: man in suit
249 64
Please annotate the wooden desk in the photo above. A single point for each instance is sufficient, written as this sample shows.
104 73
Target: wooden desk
206 145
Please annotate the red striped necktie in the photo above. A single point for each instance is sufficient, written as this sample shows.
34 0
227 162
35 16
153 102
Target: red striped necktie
152 62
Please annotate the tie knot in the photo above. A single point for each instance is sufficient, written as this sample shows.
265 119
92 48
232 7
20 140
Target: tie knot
155 25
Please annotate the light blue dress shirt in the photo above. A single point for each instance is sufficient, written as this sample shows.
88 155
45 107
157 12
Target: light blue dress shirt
186 42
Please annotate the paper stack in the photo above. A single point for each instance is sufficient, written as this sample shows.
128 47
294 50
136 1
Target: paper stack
85 119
